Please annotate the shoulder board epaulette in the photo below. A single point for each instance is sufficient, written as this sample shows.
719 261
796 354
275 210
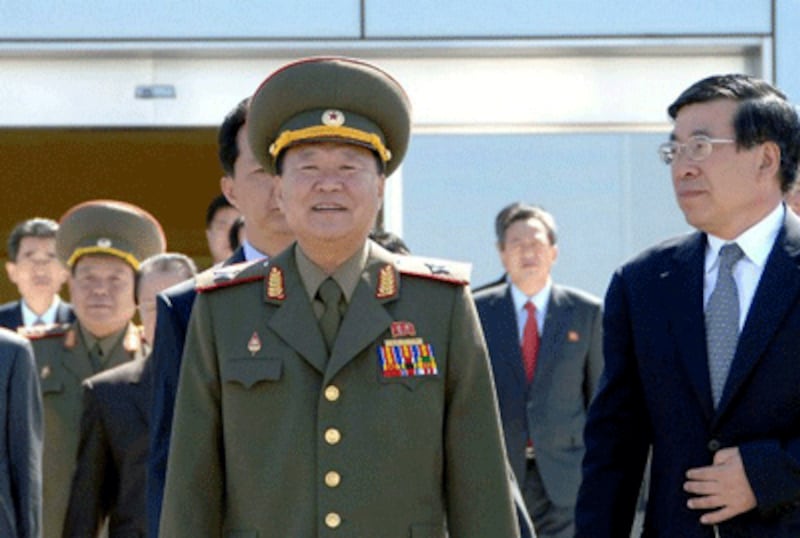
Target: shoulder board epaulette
436 269
223 277
38 332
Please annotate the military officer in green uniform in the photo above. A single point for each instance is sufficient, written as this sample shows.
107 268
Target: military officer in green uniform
102 243
338 389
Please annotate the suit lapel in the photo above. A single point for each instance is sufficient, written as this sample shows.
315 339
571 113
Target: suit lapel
140 387
236 257
509 335
63 313
77 361
776 293
554 334
366 317
18 313
683 297
305 338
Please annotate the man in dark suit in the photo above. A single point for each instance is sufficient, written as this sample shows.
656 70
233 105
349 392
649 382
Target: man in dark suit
544 407
38 274
20 439
251 190
702 334
108 487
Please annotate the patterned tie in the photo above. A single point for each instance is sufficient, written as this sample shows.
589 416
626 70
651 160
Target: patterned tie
530 342
722 320
330 294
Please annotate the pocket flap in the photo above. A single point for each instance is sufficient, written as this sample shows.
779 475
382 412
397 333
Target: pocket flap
51 385
250 371
427 531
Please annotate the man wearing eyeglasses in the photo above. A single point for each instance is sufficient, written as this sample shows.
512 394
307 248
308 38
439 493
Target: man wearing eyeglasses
702 337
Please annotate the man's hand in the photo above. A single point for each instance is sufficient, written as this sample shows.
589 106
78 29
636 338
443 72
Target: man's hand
722 487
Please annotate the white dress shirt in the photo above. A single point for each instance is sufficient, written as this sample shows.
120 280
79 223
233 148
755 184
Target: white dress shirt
756 243
539 300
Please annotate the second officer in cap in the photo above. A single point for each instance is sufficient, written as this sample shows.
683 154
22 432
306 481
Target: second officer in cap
101 242
337 390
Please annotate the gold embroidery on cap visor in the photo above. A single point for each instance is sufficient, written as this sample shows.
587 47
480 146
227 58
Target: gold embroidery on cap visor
124 256
370 140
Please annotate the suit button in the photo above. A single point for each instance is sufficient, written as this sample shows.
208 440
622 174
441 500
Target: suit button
333 520
714 445
332 436
332 393
333 479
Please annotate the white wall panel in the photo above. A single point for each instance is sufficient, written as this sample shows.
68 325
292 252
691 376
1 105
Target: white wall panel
488 92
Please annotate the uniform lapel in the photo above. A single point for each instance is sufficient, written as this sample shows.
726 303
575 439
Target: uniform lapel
683 297
129 347
366 317
776 293
305 338
77 360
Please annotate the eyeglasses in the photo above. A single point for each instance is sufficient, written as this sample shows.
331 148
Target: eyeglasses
697 148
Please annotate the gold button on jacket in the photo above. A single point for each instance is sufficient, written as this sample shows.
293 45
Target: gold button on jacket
249 438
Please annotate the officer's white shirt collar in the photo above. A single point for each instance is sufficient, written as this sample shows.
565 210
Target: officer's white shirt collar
29 317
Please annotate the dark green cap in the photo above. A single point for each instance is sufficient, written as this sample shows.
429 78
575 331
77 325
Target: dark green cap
109 227
331 98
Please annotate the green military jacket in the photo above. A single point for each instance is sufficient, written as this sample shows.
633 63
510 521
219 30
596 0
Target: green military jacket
62 359
395 435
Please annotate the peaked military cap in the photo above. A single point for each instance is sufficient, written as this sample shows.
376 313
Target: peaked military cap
330 98
109 227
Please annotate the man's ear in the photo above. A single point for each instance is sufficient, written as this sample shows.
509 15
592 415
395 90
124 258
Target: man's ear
226 186
770 163
11 270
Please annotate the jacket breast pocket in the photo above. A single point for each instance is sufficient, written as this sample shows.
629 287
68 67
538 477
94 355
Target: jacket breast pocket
250 371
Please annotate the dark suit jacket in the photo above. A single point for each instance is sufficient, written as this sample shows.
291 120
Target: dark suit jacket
656 391
174 307
553 411
11 314
63 363
491 284
109 479
20 440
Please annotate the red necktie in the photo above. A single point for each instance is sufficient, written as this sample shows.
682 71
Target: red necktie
530 342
